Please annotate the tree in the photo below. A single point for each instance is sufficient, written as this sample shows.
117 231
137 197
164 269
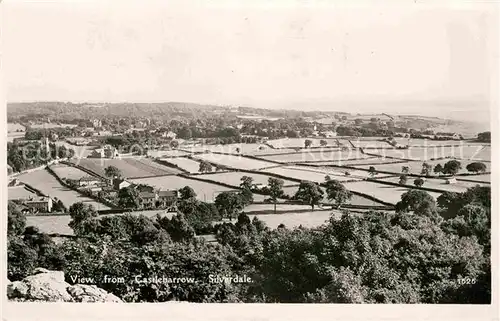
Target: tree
416 200
187 193
112 171
476 167
309 193
452 167
484 137
229 204
372 171
403 179
405 169
178 228
16 220
275 190
418 182
205 167
237 150
128 197
323 142
426 169
358 122
246 182
308 143
84 218
438 169
337 192
174 144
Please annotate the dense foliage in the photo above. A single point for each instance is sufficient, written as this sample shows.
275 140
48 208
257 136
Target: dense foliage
425 252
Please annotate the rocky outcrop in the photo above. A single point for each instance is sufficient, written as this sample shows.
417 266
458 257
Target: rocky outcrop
50 286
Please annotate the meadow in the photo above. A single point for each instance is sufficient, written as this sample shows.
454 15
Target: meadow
386 193
167 153
486 178
316 156
48 184
416 166
189 165
129 167
19 192
300 142
472 152
234 161
355 199
436 183
234 178
204 191
316 174
66 171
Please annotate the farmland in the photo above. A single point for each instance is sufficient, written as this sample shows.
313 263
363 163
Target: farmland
167 153
387 193
19 192
66 171
80 151
486 178
228 148
234 161
189 165
205 191
440 184
234 178
370 144
291 220
300 142
419 153
130 167
46 183
355 199
416 166
316 156
316 174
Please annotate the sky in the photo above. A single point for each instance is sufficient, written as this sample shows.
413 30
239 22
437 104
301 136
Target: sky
404 58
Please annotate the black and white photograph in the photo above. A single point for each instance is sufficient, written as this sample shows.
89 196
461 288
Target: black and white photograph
264 152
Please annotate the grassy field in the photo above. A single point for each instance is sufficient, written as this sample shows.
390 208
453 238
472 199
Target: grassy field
317 156
370 143
186 164
371 161
316 174
205 191
436 183
300 142
65 171
19 192
167 153
355 199
387 193
486 178
234 178
80 151
419 153
228 148
416 166
234 161
130 167
14 127
45 182
269 208
12 136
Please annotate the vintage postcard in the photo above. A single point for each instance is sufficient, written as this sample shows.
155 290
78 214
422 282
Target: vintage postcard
265 152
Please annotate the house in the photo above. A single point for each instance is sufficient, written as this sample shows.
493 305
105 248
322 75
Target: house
119 183
167 198
96 123
147 199
107 151
451 180
451 136
39 204
88 181
169 134
328 134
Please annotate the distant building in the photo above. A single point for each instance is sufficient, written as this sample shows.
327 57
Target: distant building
107 151
451 180
39 204
89 181
167 198
147 199
119 183
97 123
328 134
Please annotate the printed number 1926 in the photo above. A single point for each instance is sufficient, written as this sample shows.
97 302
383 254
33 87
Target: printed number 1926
466 281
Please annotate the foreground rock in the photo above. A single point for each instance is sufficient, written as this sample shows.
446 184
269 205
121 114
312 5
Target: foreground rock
49 286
